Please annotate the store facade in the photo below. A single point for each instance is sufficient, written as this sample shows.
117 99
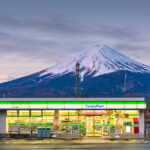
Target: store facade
44 117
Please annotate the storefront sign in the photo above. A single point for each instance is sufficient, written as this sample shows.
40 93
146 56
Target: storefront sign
92 106
95 105
97 112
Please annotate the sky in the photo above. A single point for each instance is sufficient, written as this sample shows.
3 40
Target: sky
36 34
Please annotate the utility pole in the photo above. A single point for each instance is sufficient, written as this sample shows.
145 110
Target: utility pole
77 84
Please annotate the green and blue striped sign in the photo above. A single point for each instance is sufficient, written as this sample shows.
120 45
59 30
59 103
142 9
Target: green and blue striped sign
94 105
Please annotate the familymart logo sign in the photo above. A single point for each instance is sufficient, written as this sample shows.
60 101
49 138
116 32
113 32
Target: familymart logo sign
96 106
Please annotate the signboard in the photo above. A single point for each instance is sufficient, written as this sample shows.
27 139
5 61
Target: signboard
97 112
91 105
94 106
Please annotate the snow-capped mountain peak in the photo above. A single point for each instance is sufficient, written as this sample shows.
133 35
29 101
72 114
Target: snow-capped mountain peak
97 60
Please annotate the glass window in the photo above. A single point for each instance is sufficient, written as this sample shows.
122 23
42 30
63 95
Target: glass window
48 112
36 113
11 112
82 125
73 124
124 122
84 122
23 113
101 122
63 121
81 112
24 124
63 124
63 112
131 122
73 121
73 112
36 122
48 121
116 121
11 125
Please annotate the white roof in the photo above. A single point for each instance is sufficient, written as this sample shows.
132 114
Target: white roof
75 99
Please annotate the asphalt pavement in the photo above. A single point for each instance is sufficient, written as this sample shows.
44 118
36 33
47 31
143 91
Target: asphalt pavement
75 146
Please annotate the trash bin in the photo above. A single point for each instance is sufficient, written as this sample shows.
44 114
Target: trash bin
43 132
47 132
39 132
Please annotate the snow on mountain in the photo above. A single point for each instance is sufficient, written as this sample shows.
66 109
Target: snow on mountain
97 60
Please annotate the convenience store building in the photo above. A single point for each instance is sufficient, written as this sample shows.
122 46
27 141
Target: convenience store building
73 117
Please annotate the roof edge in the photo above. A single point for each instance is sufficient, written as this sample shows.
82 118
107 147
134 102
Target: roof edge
76 99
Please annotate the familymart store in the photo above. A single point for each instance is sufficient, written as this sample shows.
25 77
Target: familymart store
61 117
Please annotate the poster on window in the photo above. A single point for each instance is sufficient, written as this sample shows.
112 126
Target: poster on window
12 128
75 129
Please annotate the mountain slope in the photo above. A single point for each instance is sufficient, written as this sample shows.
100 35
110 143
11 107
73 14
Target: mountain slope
104 72
97 60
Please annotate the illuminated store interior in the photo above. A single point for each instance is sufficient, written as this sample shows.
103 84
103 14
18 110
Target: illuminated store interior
77 117
86 122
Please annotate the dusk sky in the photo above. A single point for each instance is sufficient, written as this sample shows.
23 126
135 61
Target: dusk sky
36 34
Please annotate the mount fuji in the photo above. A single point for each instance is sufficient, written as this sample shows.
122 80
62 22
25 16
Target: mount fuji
97 60
104 72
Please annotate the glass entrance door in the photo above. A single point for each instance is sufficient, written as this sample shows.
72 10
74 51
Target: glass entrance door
89 126
97 126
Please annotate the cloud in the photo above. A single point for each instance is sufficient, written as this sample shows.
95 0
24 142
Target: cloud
64 26
135 51
55 33
120 33
51 24
45 41
132 47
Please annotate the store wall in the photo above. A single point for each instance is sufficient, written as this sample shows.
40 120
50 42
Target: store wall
2 123
141 122
56 121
